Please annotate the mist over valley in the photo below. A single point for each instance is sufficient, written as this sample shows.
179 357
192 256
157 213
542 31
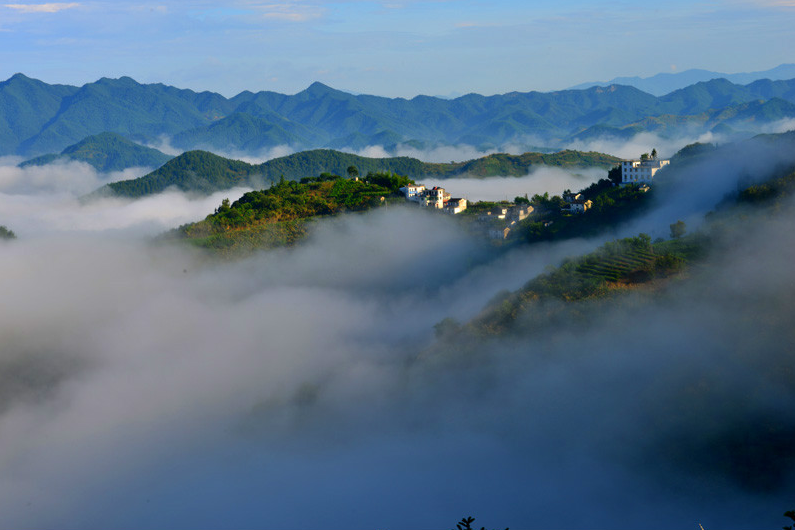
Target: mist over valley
422 264
315 384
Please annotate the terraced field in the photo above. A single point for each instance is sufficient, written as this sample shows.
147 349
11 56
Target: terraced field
632 261
613 267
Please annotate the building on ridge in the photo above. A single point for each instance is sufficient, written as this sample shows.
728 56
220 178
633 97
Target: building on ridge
641 171
435 197
413 192
579 206
455 205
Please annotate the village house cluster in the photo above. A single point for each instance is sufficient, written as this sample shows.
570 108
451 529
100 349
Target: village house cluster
435 197
500 220
575 203
497 222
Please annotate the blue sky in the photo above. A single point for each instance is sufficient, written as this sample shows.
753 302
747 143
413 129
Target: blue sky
390 48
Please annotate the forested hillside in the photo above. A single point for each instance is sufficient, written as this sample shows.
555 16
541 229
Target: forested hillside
105 152
203 172
276 216
38 118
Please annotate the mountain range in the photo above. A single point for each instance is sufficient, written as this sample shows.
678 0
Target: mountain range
38 118
664 83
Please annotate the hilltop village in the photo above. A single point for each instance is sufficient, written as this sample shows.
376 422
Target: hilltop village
278 215
499 220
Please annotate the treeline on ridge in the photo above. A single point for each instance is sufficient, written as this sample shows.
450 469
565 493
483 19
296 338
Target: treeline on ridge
40 118
204 172
276 216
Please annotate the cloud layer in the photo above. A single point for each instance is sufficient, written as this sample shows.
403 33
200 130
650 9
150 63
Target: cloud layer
42 200
143 386
42 8
540 180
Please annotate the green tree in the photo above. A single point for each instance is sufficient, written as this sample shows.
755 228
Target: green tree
5 233
643 241
224 206
353 172
678 229
388 180
603 204
614 175
654 153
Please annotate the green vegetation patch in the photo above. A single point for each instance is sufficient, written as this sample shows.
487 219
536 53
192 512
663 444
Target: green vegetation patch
770 192
249 239
610 205
194 171
277 216
502 164
106 152
6 233
204 172
616 265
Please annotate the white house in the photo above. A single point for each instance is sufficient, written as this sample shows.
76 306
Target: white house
580 206
413 192
641 171
435 197
455 205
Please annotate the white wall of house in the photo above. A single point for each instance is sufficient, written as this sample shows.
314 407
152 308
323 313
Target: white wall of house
641 171
413 192
455 206
435 197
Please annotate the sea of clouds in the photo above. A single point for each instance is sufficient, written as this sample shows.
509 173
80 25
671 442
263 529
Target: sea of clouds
145 386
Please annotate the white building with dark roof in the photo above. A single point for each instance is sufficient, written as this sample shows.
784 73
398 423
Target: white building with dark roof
580 206
435 197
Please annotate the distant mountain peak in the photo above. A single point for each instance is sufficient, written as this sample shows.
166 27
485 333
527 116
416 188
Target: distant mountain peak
123 80
38 118
667 82
318 88
18 78
717 81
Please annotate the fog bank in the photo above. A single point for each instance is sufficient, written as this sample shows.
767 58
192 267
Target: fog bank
144 387
77 178
41 214
540 180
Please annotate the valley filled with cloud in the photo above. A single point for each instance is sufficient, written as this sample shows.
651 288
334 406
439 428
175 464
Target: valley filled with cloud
182 391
